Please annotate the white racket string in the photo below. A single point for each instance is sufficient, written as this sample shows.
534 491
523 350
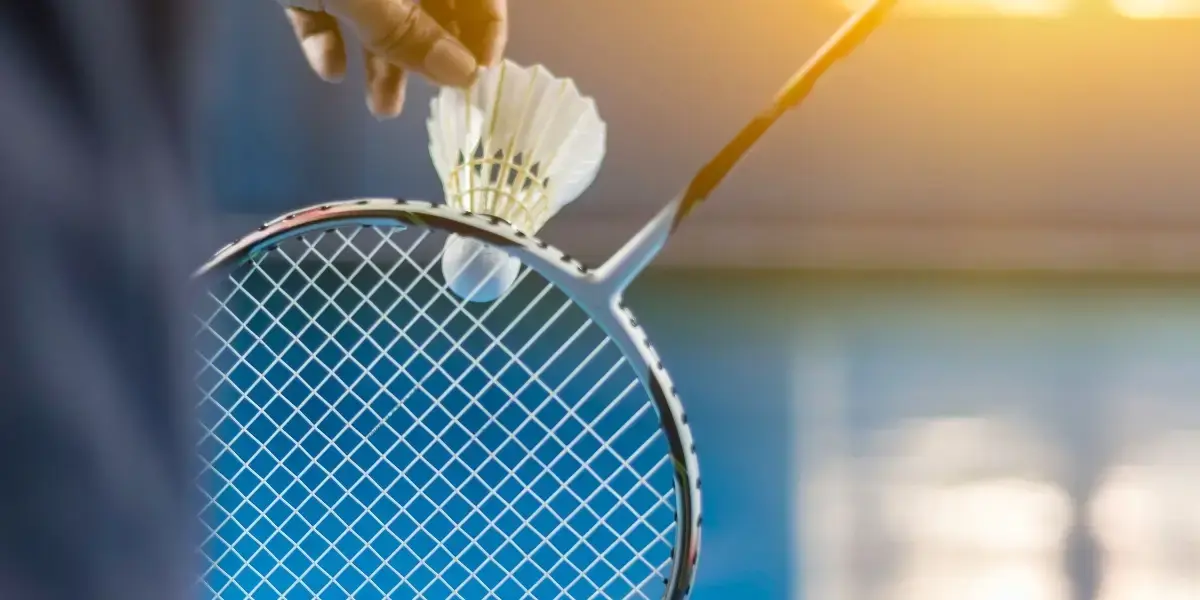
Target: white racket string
368 434
365 336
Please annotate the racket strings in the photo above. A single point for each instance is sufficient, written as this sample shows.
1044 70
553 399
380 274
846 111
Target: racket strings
516 360
349 390
437 449
551 435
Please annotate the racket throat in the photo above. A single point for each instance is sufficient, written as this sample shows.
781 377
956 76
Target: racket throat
627 263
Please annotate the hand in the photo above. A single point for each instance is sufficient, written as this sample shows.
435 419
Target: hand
444 40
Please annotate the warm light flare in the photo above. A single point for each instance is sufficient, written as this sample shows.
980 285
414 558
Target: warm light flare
972 8
1157 9
1132 9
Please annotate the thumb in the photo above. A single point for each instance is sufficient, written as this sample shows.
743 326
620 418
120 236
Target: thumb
404 34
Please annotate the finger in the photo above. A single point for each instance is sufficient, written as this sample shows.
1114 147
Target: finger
442 11
483 28
385 86
406 35
321 41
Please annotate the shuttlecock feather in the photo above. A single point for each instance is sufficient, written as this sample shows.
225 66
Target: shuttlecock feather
519 144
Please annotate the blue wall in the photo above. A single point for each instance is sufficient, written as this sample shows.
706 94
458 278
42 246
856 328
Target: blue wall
725 339
786 374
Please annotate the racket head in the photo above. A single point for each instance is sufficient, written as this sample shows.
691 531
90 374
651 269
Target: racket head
603 534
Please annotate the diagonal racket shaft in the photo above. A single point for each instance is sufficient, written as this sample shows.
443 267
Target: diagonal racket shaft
639 251
850 36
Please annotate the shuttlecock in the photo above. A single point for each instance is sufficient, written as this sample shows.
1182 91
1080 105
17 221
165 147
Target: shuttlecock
519 144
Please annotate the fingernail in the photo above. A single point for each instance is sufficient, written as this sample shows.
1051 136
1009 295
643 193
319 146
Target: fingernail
449 63
386 99
385 89
324 57
495 53
495 41
382 109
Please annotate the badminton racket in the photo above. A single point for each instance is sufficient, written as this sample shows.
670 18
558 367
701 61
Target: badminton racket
367 434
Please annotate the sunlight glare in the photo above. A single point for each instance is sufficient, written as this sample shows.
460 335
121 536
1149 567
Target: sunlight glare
1145 522
964 8
1131 9
971 524
1157 9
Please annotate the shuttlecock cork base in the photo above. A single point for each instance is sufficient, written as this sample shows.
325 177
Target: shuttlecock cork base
519 145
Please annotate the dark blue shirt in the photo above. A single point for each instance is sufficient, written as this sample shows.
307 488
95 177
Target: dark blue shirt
97 236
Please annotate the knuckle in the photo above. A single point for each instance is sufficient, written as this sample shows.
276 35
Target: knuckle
404 37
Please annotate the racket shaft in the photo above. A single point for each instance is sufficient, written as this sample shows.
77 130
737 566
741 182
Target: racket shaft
849 37
623 267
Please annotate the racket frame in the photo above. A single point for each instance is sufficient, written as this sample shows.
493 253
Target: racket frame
599 299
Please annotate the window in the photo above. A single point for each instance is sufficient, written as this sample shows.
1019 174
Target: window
1145 516
966 527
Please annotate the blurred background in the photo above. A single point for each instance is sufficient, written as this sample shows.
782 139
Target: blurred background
937 336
